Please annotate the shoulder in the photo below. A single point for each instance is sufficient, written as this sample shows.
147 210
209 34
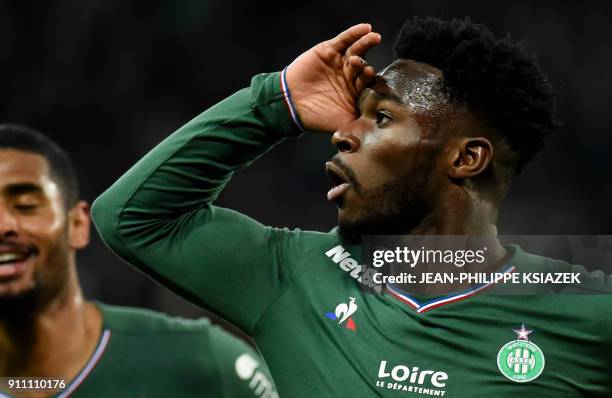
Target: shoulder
307 241
242 371
316 250
128 320
589 281
185 351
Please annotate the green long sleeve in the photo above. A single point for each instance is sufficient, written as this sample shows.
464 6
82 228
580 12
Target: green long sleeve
158 216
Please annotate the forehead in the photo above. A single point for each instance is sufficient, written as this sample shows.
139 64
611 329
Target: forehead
417 85
23 167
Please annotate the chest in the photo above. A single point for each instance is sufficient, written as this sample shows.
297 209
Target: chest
345 341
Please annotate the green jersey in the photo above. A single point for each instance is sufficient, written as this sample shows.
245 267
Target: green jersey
297 293
146 354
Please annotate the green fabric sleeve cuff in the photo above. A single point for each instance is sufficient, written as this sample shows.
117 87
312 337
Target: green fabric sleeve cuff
273 103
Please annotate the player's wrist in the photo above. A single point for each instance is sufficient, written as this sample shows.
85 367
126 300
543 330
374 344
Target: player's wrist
269 102
289 101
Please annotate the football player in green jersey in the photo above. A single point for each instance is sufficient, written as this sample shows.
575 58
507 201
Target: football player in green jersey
427 146
88 349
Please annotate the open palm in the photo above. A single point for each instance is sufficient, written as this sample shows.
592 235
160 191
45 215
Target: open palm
326 81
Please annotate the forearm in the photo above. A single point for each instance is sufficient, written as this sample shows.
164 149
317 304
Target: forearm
198 159
188 170
158 216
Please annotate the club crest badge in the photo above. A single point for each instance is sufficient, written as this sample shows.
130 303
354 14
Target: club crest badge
521 360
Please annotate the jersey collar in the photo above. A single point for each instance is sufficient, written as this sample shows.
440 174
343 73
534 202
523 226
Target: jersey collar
424 306
89 366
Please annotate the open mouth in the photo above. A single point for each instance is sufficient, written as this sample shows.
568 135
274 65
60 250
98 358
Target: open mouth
339 182
12 257
13 262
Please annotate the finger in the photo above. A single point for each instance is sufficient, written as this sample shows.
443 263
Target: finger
353 68
345 39
365 78
364 44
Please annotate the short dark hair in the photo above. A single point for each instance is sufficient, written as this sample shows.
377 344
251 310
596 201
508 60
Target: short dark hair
494 77
19 137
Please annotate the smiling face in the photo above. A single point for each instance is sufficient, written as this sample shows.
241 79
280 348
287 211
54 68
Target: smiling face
387 172
38 237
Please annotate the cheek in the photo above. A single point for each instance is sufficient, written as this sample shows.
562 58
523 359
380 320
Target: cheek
405 132
51 261
388 160
44 228
43 225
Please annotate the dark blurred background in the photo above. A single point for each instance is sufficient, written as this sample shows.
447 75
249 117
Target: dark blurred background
108 79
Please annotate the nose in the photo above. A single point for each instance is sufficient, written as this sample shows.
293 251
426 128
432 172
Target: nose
345 140
8 222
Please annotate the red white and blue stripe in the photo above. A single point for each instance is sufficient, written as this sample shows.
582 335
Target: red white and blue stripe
421 307
288 100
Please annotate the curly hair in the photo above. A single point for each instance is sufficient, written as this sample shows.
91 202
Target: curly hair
494 77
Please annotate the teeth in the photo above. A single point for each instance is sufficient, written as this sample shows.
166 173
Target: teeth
9 257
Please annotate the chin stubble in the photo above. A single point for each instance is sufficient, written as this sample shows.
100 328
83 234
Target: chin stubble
394 208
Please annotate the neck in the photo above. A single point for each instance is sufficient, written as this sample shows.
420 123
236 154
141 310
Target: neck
459 212
472 221
56 341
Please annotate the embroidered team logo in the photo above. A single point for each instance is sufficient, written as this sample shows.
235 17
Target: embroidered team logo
343 314
521 360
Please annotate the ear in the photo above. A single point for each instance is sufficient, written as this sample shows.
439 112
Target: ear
470 157
79 225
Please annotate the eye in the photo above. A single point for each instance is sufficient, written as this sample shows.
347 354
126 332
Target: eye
26 207
382 117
